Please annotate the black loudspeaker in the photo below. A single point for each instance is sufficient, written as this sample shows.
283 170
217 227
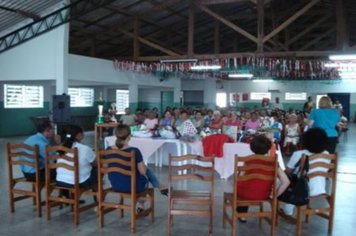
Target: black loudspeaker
61 109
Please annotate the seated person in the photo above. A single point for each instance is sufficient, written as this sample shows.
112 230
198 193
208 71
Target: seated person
122 183
151 122
208 118
314 141
259 189
86 159
167 120
277 127
128 119
217 122
45 136
233 120
253 123
291 134
198 120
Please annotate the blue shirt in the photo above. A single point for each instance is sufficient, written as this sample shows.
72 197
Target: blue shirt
121 182
42 142
326 119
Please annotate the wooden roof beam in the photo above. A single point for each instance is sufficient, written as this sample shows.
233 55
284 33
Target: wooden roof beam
242 54
317 39
151 44
227 22
307 30
290 20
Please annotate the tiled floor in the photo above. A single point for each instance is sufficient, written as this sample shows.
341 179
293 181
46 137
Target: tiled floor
23 221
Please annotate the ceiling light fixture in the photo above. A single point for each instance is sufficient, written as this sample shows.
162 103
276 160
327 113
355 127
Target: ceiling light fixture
342 57
178 60
262 80
201 67
241 76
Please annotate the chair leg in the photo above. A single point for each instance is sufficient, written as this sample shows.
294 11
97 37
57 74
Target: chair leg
38 201
331 214
12 202
169 222
277 213
273 221
307 215
260 218
224 214
34 189
121 200
76 212
233 233
48 208
133 217
152 207
299 221
101 215
211 219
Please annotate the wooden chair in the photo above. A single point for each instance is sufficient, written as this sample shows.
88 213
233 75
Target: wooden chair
73 198
15 154
247 169
184 202
125 167
326 212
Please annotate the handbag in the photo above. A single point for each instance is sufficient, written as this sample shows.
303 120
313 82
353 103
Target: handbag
297 192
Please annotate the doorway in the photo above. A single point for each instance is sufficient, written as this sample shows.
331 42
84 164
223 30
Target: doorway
167 99
344 99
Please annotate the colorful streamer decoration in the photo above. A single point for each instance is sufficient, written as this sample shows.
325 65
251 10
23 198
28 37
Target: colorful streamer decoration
260 67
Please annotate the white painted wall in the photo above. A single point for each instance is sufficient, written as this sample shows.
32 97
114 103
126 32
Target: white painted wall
310 87
91 71
33 60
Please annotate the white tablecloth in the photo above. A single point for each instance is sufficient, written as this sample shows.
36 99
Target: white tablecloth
153 150
157 151
225 165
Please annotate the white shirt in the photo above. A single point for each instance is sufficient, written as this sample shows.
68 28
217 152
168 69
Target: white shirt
85 157
317 185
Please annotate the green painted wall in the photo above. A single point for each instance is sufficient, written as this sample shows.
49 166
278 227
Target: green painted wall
17 121
149 105
352 113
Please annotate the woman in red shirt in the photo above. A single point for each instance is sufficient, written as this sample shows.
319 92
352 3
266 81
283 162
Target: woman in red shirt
260 189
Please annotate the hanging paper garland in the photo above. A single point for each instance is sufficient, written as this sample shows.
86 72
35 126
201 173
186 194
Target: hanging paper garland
276 68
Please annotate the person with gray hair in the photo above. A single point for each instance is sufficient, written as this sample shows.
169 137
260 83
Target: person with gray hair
326 117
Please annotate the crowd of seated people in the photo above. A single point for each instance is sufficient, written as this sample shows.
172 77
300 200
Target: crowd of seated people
286 127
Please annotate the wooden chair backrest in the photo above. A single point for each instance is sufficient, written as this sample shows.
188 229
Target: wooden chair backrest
321 160
191 171
23 154
245 168
53 157
125 167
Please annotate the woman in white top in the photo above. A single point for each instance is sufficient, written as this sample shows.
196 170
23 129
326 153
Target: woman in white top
314 141
86 158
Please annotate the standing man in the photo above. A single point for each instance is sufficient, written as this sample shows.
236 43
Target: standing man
308 105
277 104
45 136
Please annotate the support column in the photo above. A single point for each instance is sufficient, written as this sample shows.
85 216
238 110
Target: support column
133 94
342 34
260 25
210 93
191 31
217 37
136 42
62 52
